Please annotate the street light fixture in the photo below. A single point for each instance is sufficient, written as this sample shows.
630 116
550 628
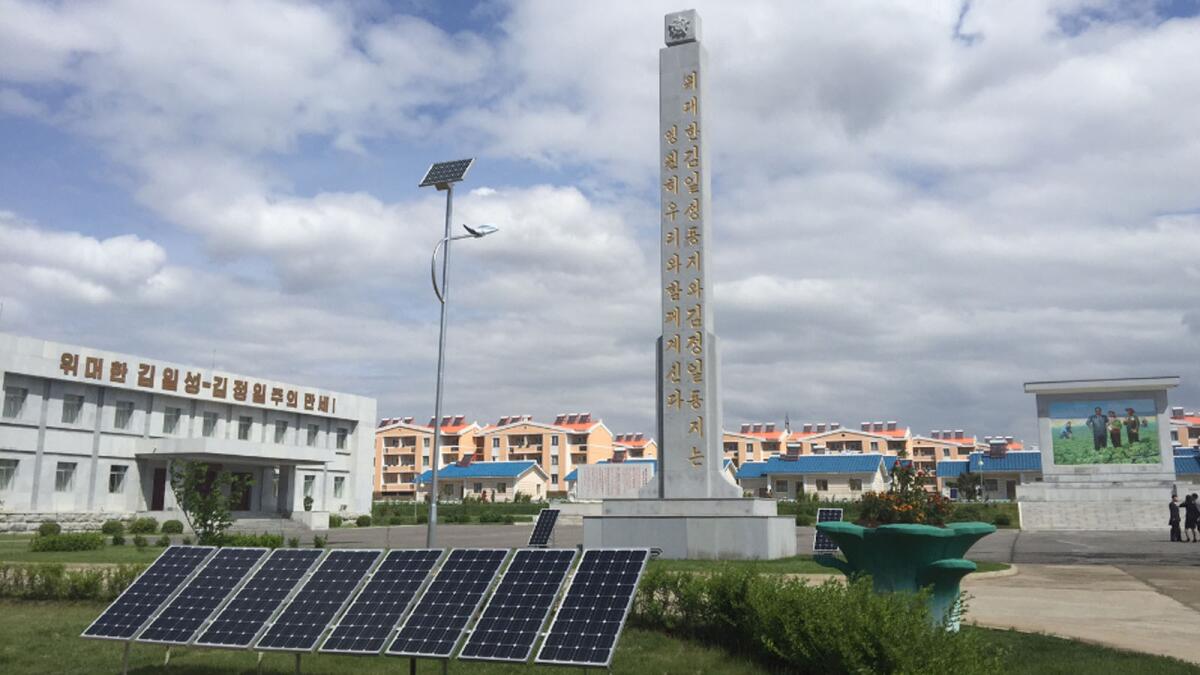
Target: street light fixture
443 176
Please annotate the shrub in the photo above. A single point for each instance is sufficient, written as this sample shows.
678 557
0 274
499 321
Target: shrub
522 498
804 519
71 541
55 582
140 542
49 528
113 527
422 519
186 541
263 540
363 521
796 626
318 541
335 520
145 525
293 542
118 540
172 527
163 541
906 501
398 520
1002 520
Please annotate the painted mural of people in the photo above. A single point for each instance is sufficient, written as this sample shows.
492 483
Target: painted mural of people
1098 423
1067 431
1133 426
1114 428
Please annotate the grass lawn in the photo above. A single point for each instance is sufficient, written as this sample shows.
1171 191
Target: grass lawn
16 549
43 637
795 565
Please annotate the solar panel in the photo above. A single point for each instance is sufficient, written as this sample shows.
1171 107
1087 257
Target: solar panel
514 615
304 620
441 173
371 618
821 542
122 619
253 606
437 622
592 614
543 528
201 596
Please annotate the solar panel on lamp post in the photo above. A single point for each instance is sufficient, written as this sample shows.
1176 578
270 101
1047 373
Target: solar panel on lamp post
443 176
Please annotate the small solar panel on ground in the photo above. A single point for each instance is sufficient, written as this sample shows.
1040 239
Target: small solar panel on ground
148 592
370 619
303 621
437 622
201 596
513 617
543 528
592 614
253 606
822 543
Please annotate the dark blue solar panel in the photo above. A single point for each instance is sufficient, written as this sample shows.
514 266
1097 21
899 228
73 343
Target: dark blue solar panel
202 596
543 528
446 172
129 612
253 606
592 614
517 609
371 618
303 621
821 542
442 613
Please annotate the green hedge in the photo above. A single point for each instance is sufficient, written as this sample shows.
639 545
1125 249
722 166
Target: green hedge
113 527
49 528
795 626
335 520
71 541
381 511
363 521
145 525
55 582
172 527
253 540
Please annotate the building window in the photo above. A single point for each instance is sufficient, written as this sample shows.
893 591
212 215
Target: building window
280 431
553 460
501 488
313 430
342 434
874 446
749 448
116 479
554 441
495 442
822 485
171 420
8 469
123 414
856 484
781 486
64 477
14 401
478 488
339 487
245 424
209 428
309 481
990 485
72 405
554 479
945 452
953 493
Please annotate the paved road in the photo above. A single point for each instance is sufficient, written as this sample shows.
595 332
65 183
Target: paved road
1132 549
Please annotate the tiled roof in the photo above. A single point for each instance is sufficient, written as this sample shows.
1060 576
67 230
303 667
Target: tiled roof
750 470
1187 419
1012 461
1187 465
805 464
951 468
480 470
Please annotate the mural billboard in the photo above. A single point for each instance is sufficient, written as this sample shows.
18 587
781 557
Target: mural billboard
1105 431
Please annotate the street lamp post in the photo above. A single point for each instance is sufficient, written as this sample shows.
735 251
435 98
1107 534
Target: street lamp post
444 175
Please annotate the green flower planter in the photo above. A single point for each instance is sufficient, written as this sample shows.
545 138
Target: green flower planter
909 558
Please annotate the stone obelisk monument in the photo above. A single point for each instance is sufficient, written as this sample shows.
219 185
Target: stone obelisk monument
693 508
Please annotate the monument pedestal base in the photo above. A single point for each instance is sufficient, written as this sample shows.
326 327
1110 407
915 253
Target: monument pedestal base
724 529
1068 505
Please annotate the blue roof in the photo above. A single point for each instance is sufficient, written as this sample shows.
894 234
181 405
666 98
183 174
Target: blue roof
1187 465
750 470
1181 451
1024 460
480 470
806 464
574 475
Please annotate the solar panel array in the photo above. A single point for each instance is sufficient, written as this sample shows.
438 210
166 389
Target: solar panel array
543 529
302 622
371 618
446 172
440 616
513 617
201 596
122 619
588 622
253 606
821 542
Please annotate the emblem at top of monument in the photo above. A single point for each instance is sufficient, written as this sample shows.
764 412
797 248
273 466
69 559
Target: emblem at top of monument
682 27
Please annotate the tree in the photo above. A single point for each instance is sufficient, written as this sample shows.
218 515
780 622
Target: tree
205 495
970 486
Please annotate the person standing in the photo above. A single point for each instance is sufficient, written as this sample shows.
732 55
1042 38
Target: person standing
1114 428
1133 426
1173 518
1191 516
1099 426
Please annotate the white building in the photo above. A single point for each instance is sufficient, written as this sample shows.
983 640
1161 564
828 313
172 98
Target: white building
84 431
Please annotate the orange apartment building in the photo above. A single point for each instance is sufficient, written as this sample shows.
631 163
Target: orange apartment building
635 446
887 438
402 449
941 445
753 442
1185 427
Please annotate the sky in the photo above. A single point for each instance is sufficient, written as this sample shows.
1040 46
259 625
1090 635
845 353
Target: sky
916 207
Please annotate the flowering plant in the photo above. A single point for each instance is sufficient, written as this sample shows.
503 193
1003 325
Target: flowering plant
906 501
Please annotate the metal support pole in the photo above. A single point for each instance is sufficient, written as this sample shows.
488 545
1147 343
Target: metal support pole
125 658
258 665
444 296
445 666
167 658
412 665
297 663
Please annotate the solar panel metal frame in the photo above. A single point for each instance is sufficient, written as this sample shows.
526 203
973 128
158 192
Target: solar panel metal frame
819 536
439 179
170 596
504 562
300 586
442 555
221 605
550 534
624 616
275 612
558 594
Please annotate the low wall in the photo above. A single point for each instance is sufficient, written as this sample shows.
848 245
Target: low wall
70 522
